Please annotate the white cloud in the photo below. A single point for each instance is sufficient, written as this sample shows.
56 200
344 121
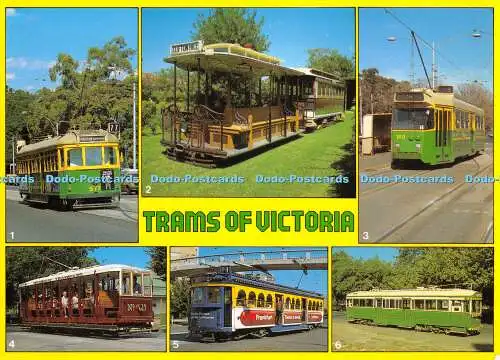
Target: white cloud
11 12
30 64
29 87
10 76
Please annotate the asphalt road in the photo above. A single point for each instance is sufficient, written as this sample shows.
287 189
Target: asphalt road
456 212
38 223
313 340
22 340
357 337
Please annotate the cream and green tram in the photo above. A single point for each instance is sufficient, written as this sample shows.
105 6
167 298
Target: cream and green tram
425 309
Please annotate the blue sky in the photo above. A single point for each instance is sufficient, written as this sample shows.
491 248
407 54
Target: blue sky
358 252
290 31
36 36
125 255
315 280
450 29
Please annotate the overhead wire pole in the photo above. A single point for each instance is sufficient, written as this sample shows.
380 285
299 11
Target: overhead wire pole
421 58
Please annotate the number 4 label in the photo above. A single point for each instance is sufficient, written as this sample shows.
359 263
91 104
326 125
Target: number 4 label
12 344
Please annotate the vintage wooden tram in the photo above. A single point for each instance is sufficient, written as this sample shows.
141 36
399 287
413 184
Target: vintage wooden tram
76 169
106 299
232 306
243 100
423 309
435 127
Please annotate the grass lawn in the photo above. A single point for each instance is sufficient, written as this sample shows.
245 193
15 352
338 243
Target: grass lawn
310 155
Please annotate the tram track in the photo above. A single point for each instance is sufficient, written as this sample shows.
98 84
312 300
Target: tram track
450 194
389 185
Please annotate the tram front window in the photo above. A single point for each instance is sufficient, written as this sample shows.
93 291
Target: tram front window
412 119
75 157
197 296
213 295
109 155
93 156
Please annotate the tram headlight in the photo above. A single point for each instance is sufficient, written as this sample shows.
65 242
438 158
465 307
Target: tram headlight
396 146
417 146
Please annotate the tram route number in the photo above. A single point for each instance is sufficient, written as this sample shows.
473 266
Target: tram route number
12 344
136 307
175 344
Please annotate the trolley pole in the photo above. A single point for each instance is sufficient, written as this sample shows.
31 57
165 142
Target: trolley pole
134 129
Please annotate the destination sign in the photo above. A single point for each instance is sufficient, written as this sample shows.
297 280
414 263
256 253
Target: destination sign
184 48
410 96
95 138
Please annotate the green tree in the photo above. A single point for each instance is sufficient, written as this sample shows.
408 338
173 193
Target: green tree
180 297
231 25
31 262
331 61
158 261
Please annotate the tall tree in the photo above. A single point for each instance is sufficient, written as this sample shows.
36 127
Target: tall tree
330 60
158 261
180 297
231 25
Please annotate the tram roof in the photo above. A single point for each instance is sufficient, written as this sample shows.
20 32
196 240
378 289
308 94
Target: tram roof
75 273
232 278
416 293
227 58
442 98
319 74
70 138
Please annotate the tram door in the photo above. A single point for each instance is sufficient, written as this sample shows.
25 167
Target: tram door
304 310
443 134
228 307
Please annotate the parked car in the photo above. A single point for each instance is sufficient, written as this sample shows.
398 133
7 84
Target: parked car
131 181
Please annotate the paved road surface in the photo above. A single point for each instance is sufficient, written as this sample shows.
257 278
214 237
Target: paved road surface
313 340
428 213
42 224
357 337
35 341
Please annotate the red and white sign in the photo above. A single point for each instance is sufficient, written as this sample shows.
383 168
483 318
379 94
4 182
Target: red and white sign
314 317
292 317
257 317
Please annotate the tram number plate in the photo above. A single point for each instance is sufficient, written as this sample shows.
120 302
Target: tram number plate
107 182
136 307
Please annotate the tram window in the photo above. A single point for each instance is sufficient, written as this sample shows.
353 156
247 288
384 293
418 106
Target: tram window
148 285
61 157
93 156
287 303
387 304
75 157
261 300
406 304
309 305
109 155
476 306
241 299
126 288
413 119
431 304
378 303
297 304
214 295
137 285
443 305
251 299
293 304
197 296
419 304
466 307
269 301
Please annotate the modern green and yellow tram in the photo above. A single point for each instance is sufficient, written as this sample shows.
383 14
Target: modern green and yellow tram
77 169
423 309
435 127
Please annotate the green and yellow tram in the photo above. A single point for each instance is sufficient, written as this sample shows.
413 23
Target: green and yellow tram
425 309
77 169
435 127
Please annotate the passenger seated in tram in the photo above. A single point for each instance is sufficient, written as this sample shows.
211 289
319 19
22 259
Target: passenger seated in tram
74 302
65 303
137 287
